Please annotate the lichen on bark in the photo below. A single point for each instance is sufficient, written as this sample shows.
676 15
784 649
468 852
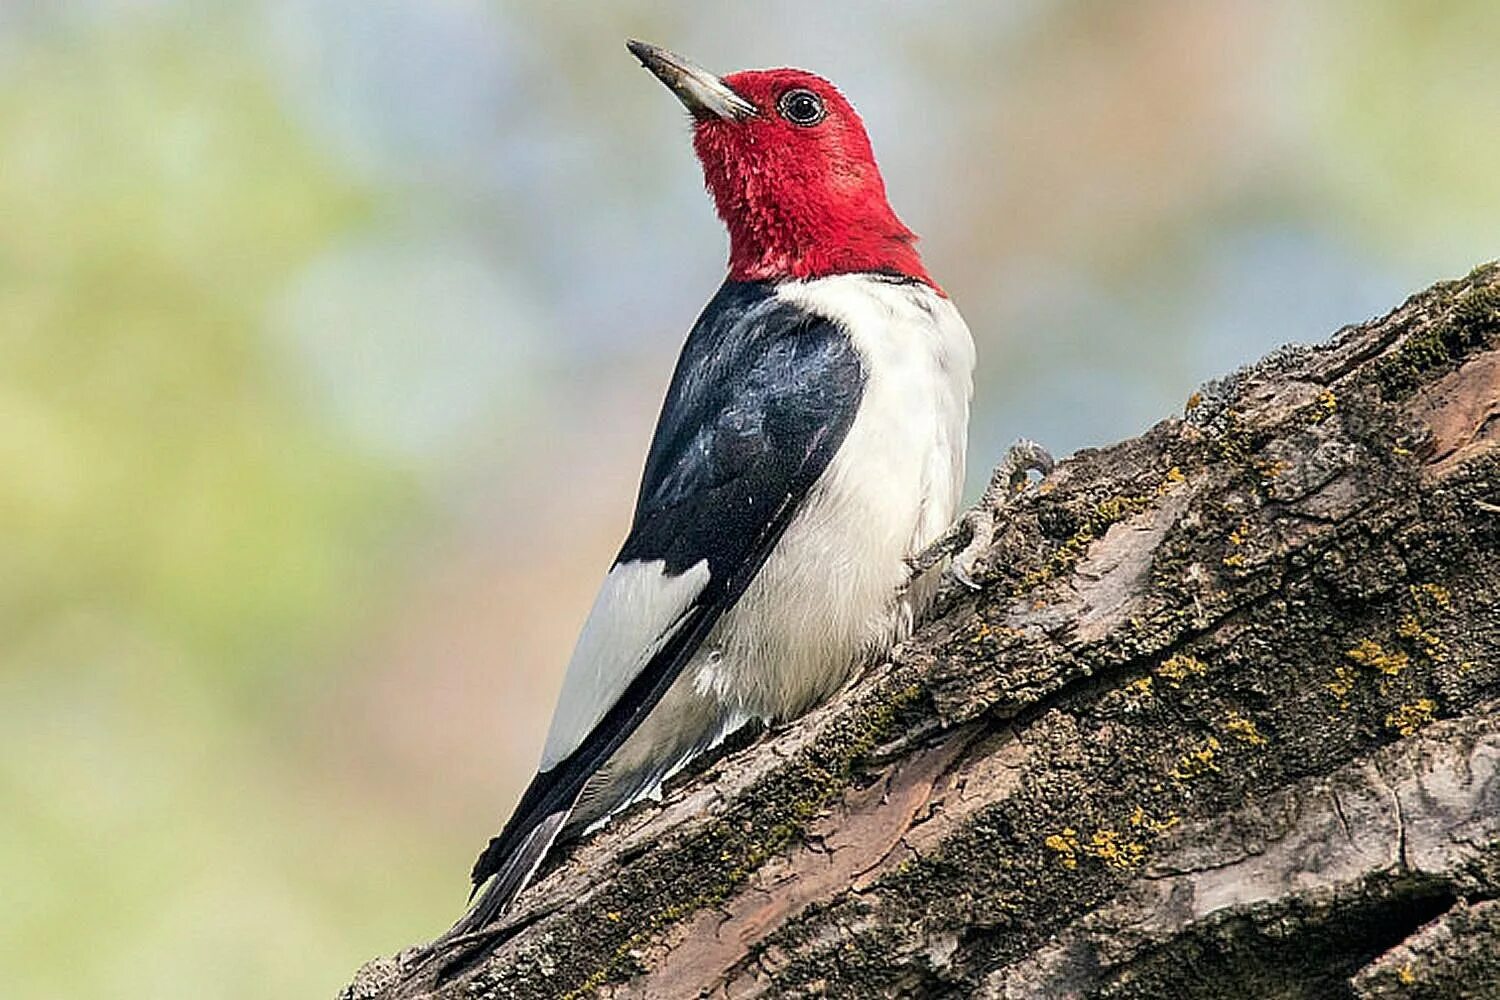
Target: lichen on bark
1221 722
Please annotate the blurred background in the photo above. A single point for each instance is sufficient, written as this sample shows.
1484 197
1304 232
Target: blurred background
332 333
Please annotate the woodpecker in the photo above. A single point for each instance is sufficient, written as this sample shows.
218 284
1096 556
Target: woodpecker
810 448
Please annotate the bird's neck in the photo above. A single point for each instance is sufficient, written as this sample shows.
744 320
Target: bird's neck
784 223
769 246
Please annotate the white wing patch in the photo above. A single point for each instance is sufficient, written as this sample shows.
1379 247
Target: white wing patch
638 607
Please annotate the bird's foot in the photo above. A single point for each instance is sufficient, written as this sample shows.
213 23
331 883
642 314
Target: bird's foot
968 538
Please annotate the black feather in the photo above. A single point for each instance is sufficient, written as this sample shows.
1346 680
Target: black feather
762 398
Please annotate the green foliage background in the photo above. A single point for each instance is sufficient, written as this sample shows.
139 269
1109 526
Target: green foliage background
330 335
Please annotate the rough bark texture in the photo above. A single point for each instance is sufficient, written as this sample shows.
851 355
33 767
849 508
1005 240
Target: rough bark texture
1222 723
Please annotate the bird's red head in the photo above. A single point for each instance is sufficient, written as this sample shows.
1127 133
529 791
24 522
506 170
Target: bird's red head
791 171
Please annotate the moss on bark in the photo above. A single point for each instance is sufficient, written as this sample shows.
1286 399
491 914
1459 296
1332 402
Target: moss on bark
1203 732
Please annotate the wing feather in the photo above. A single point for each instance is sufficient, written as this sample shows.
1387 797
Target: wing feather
762 397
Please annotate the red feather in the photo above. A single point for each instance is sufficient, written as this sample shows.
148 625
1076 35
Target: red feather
798 201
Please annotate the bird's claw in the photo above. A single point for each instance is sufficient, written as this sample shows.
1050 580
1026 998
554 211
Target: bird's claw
1021 458
970 537
965 563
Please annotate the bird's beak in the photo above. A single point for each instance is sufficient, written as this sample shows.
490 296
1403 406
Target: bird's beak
702 93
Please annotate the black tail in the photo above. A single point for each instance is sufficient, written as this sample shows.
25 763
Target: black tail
509 877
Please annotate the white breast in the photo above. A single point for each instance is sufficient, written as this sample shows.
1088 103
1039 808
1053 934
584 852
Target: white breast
829 595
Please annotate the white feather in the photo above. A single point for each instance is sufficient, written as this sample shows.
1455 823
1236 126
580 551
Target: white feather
636 610
834 591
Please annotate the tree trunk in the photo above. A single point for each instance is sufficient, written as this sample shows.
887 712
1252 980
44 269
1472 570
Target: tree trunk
1221 723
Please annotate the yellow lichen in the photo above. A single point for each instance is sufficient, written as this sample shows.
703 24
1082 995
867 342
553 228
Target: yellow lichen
1244 729
1434 592
1156 827
1411 629
1410 717
1111 847
1106 513
1369 653
1406 974
1172 478
1272 470
1341 685
1197 762
1328 405
1135 694
1065 844
1117 508
1116 852
1179 667
1237 537
1193 402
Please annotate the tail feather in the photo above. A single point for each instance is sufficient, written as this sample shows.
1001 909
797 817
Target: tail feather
510 876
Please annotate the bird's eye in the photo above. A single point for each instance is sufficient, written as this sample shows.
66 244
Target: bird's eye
801 107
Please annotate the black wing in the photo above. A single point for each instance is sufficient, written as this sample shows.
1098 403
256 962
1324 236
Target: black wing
762 397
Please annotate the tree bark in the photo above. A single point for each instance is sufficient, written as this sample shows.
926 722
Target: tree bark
1221 723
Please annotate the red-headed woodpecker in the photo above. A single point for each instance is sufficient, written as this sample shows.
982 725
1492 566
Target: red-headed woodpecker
810 446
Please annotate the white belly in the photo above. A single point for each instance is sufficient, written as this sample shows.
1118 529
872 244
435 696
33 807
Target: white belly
832 593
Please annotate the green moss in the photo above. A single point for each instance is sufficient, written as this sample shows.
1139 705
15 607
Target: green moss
775 816
1478 313
1234 443
1472 325
1095 523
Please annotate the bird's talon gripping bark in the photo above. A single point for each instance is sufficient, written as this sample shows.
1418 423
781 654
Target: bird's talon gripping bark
963 576
1021 458
971 535
981 531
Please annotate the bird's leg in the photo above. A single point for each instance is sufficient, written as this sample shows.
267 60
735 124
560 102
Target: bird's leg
968 537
